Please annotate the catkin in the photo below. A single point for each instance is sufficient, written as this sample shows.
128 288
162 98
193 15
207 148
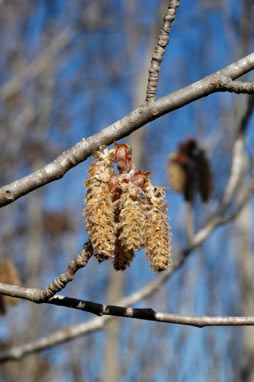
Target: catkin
125 212
157 234
131 218
8 275
98 212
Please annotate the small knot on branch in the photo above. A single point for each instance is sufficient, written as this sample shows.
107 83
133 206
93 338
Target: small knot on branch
226 83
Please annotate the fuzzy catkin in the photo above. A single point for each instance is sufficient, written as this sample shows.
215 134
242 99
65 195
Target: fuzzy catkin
157 234
98 211
8 275
131 218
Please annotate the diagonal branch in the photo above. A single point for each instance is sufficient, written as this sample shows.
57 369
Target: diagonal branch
125 126
159 50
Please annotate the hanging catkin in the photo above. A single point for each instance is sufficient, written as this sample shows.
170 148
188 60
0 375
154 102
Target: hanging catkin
131 218
99 208
157 234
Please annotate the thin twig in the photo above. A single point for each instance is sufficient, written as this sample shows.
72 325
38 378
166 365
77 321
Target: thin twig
190 221
61 281
136 119
238 156
159 50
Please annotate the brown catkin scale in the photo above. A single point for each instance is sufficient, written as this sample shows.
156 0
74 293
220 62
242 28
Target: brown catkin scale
131 218
123 257
99 212
8 275
157 234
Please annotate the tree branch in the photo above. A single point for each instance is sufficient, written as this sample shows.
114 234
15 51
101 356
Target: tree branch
122 311
68 334
226 83
159 50
133 121
92 325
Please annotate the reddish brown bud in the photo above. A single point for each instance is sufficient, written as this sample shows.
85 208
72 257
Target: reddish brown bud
123 158
140 178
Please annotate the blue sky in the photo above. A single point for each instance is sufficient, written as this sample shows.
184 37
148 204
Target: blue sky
93 88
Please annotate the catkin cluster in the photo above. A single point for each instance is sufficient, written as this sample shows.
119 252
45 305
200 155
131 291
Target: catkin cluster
125 212
8 275
189 171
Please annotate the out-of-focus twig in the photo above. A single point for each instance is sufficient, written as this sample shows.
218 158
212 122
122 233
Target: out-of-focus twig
38 65
238 155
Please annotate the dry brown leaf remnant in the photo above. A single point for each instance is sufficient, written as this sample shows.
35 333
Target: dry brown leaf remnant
8 275
189 171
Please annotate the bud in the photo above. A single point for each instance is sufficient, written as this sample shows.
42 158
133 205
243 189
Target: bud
123 158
